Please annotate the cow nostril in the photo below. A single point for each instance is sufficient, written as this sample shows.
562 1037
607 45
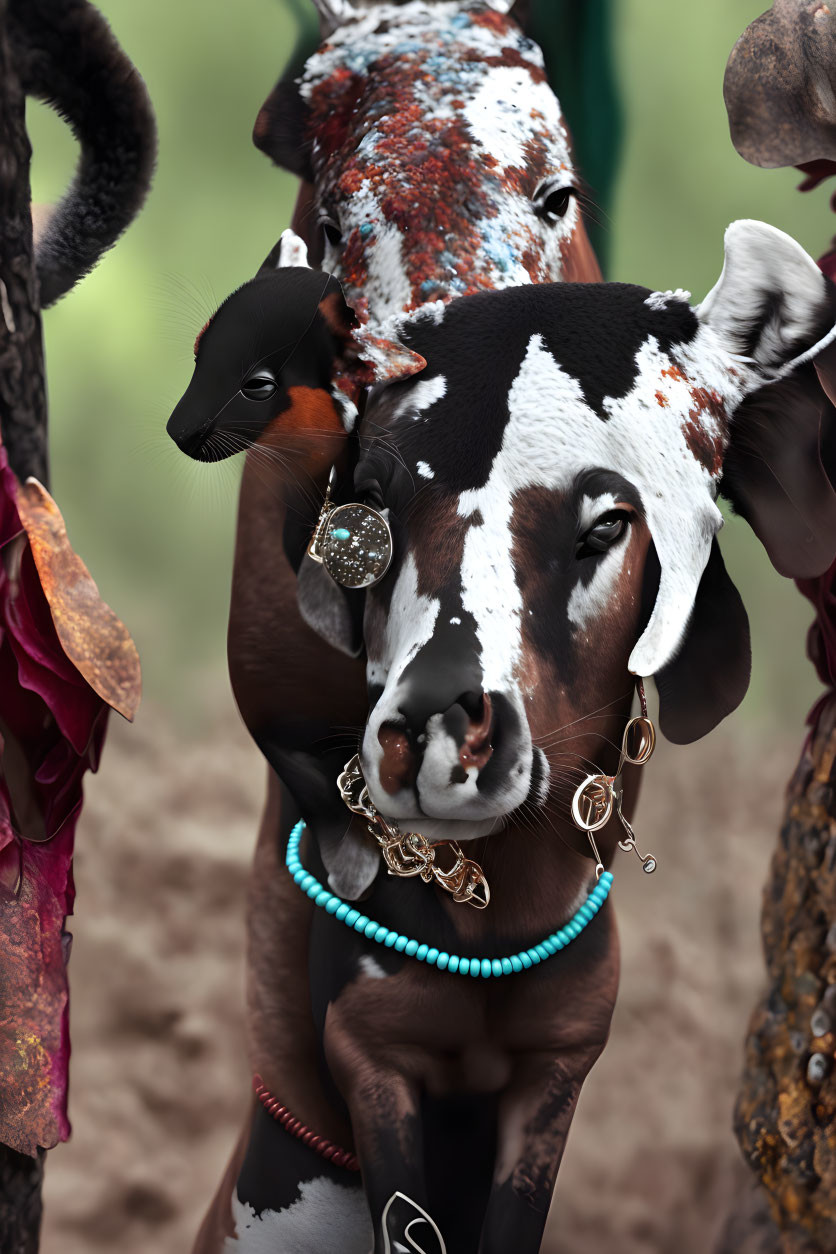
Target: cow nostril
398 764
477 748
473 705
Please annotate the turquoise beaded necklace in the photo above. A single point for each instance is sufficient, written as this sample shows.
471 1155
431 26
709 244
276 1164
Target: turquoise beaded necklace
484 967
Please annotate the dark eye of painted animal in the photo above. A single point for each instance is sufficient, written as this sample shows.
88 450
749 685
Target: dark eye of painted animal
551 200
601 537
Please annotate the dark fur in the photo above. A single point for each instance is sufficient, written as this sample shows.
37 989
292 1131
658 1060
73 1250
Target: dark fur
68 57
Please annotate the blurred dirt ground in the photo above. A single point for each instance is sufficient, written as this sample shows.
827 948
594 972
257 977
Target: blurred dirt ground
159 1077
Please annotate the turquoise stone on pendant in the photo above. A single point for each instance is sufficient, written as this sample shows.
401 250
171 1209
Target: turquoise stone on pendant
486 968
341 533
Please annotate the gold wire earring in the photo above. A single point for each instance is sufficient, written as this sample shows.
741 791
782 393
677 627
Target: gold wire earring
599 795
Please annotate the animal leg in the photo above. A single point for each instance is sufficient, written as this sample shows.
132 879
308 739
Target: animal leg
534 1118
389 1143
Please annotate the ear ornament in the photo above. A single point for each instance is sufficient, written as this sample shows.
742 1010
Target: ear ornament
599 795
353 542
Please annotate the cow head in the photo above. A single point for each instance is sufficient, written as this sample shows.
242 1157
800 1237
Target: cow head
551 481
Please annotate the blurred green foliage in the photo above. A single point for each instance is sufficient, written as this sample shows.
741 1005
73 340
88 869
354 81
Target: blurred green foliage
156 529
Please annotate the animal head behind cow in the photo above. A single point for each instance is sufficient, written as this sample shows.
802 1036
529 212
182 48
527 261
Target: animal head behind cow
551 480
440 156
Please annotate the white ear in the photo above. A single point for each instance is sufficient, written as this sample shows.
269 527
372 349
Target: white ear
293 251
771 304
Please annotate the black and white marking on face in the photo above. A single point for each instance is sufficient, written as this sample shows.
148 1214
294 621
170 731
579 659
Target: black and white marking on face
541 411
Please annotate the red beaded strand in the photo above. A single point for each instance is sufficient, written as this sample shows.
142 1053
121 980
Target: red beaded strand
327 1149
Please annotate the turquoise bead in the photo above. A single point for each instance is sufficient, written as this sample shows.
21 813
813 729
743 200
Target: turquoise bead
366 229
475 967
340 533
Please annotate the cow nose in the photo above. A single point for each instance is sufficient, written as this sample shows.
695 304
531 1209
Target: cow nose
469 721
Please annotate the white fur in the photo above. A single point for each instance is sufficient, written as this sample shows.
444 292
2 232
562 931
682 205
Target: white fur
760 260
293 251
326 1216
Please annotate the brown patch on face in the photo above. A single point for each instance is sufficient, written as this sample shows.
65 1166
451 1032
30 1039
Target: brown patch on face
580 265
706 446
310 428
662 400
437 535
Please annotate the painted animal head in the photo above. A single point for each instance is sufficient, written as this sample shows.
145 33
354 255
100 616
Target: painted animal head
439 153
551 480
267 368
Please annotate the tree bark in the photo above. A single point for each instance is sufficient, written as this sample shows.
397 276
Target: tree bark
23 430
22 389
785 1118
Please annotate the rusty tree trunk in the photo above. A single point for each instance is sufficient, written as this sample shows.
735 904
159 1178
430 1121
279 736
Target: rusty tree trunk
785 1118
23 429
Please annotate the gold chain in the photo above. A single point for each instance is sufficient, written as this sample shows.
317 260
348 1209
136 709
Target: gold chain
409 853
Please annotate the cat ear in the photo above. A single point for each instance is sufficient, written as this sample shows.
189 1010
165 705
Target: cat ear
288 250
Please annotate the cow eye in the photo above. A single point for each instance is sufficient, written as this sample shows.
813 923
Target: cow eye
551 201
259 387
603 534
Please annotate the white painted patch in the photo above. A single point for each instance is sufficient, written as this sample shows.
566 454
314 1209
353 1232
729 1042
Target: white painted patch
371 967
455 621
326 1216
500 112
424 470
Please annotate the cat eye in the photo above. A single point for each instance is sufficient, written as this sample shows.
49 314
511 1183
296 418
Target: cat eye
259 387
551 201
603 534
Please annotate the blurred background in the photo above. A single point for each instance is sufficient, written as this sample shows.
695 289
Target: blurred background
159 1075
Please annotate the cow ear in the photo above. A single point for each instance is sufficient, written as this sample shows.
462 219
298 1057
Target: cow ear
281 129
772 306
708 676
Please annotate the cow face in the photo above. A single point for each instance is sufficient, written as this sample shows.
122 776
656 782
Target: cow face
551 480
440 158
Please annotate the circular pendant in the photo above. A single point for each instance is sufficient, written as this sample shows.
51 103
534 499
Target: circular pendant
357 547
